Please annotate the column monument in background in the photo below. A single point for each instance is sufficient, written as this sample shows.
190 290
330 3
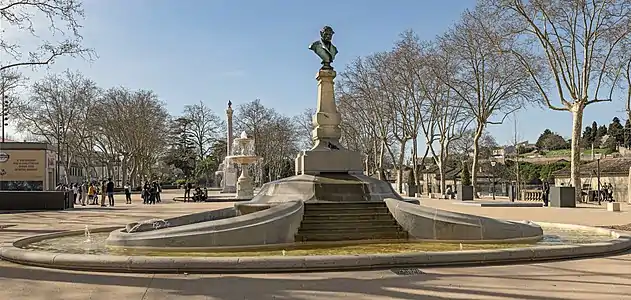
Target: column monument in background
229 172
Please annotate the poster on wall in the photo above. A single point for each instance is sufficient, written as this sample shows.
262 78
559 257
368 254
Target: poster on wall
22 169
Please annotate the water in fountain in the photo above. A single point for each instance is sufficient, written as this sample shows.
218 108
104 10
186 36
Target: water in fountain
77 244
87 235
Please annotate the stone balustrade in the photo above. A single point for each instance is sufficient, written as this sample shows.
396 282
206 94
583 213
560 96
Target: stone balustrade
531 195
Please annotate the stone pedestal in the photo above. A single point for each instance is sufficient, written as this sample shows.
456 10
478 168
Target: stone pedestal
229 179
245 189
613 206
327 155
464 193
562 196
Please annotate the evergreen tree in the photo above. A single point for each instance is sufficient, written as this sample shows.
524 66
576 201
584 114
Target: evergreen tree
601 132
594 131
616 131
465 176
588 137
542 137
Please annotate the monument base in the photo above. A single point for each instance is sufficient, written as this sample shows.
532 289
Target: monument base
245 189
324 187
317 161
229 181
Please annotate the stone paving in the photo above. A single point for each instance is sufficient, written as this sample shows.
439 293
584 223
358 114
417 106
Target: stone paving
597 278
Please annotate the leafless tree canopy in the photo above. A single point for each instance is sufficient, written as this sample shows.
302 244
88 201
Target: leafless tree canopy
583 45
39 18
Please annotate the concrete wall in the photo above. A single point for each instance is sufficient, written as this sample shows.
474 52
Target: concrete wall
34 200
275 225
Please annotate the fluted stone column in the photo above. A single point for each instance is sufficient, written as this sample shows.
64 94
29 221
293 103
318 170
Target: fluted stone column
229 172
327 154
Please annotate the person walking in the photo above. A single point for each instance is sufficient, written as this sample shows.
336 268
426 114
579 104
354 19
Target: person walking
110 191
545 193
127 193
103 192
187 191
81 191
158 191
75 192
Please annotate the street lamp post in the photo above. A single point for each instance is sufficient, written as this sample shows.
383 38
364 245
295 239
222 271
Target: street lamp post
493 174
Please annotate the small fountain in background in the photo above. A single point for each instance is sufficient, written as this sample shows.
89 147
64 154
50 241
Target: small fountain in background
86 233
243 155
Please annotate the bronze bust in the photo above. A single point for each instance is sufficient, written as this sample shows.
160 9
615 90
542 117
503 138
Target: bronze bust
324 48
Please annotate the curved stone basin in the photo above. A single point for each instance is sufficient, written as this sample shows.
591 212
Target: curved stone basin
427 223
223 227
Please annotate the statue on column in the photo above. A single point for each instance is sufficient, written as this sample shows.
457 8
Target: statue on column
324 48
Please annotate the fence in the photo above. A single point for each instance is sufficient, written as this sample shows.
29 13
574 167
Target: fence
531 195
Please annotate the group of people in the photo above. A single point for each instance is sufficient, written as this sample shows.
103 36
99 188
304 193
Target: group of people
151 192
199 195
88 193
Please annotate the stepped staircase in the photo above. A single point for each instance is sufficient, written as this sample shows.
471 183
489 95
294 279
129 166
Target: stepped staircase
331 221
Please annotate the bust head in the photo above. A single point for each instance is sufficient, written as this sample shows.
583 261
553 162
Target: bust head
326 34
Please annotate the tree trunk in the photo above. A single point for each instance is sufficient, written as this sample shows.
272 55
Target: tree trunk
476 152
577 126
400 163
441 166
382 153
417 179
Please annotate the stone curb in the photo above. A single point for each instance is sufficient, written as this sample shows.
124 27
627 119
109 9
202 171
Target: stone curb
155 264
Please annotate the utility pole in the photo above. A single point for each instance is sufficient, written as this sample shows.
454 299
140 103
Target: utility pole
5 108
515 141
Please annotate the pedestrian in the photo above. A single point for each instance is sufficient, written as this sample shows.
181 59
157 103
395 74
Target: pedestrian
75 192
127 193
110 191
158 191
81 191
545 193
103 192
153 190
187 191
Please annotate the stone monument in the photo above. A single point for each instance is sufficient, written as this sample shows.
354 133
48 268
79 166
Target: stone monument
327 172
230 172
327 154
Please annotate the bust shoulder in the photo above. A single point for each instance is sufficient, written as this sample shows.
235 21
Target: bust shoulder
315 44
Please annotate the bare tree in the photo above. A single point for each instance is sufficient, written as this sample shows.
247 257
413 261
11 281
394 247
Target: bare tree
22 17
204 127
275 139
55 111
304 123
365 102
130 124
488 83
577 39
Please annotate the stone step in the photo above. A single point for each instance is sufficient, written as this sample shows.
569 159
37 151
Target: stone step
379 228
345 210
309 224
345 205
346 216
345 236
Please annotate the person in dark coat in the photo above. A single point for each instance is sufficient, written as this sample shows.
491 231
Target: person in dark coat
545 193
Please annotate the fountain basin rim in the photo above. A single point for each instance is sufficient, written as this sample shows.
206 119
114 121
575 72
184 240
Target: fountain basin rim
275 264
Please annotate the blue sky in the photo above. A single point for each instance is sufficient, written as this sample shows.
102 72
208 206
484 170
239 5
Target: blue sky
219 50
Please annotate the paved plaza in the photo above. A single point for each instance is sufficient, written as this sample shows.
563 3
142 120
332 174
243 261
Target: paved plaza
597 278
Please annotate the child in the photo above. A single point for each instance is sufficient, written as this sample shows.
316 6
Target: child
91 193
